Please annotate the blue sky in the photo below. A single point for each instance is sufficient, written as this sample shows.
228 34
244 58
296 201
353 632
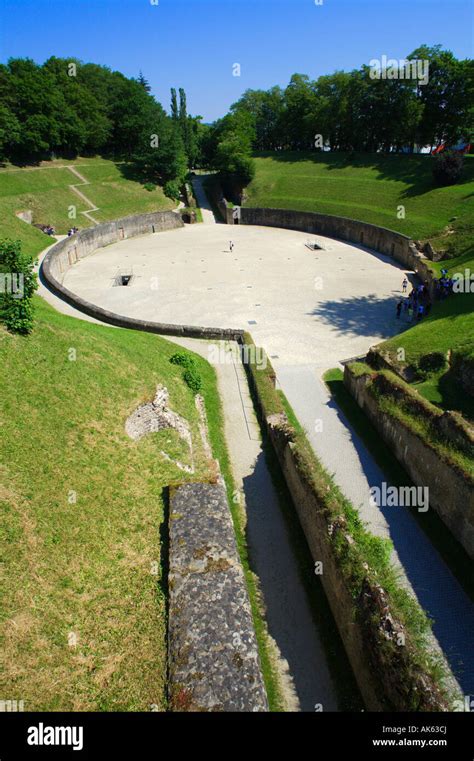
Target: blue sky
194 43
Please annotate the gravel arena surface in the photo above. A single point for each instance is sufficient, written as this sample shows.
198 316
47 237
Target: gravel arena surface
302 306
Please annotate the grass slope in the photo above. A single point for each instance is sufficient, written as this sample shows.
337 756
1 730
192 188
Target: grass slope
46 191
369 187
449 327
87 568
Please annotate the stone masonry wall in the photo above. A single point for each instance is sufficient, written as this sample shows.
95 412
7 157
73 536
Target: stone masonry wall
388 242
212 649
68 251
451 492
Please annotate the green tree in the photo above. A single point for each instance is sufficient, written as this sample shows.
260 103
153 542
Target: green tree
174 105
266 109
18 284
143 82
299 99
446 98
10 132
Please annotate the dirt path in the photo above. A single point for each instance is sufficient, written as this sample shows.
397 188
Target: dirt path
74 188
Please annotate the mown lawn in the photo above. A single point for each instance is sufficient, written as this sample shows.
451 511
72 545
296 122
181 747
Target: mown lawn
368 187
115 195
449 327
45 191
83 511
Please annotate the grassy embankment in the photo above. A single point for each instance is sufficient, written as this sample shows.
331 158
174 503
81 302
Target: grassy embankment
370 187
45 190
83 509
449 328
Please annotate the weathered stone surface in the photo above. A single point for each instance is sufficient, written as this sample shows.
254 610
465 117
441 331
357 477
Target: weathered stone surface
213 655
451 490
154 416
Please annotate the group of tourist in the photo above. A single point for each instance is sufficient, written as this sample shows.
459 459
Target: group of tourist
48 229
444 285
72 231
416 305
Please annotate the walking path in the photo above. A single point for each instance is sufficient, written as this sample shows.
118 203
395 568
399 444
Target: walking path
81 195
288 611
421 568
208 216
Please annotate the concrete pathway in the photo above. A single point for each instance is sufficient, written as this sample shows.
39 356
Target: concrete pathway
302 659
208 216
421 568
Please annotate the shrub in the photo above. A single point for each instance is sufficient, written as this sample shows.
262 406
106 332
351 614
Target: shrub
172 189
19 282
149 186
193 379
447 168
183 359
432 363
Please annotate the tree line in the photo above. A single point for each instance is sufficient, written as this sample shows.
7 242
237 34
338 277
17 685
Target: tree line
349 111
66 108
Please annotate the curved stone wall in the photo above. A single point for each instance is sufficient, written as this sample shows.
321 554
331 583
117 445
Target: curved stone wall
71 250
399 247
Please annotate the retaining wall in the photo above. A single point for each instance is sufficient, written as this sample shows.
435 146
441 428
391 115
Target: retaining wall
218 198
399 247
388 673
70 250
451 491
212 647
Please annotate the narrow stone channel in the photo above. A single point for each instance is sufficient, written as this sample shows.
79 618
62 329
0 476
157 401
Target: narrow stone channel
311 661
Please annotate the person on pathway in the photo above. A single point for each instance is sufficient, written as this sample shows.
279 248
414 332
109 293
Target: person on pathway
405 285
399 309
231 246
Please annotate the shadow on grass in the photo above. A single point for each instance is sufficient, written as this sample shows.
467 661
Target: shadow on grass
131 171
162 582
412 169
446 392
